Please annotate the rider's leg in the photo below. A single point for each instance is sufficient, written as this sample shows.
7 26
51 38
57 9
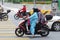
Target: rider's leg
32 28
24 13
28 26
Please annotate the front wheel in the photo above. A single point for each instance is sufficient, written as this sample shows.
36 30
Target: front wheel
19 32
16 16
56 26
45 31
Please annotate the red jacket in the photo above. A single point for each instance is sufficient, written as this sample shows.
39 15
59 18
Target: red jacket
23 9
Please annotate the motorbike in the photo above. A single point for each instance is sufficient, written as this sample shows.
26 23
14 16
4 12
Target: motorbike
4 15
19 15
41 29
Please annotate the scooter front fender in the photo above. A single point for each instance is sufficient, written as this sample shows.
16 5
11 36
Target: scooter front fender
20 26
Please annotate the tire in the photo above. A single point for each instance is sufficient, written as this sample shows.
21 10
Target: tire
56 26
5 18
16 16
45 31
18 32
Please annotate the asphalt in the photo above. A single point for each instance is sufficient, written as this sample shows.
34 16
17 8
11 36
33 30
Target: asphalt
7 31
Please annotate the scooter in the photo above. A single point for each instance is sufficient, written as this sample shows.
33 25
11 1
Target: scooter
4 15
19 15
41 29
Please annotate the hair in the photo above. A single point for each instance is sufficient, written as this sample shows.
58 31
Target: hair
35 10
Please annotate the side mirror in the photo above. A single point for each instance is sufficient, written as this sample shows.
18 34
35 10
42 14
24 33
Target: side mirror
8 11
49 17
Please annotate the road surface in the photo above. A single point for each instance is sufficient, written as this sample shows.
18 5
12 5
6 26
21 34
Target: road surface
7 29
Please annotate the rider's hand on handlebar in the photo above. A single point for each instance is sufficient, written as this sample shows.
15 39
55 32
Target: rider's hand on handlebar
25 18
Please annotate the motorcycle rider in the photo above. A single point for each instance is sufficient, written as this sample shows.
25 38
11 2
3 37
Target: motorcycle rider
1 9
34 18
33 21
23 10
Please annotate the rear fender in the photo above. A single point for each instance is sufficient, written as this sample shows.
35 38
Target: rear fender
46 26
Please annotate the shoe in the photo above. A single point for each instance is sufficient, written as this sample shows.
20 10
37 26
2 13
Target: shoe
28 31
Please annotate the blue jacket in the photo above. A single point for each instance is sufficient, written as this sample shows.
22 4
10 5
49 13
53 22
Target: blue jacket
33 20
34 17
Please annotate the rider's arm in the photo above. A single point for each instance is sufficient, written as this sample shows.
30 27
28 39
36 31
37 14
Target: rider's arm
23 9
34 15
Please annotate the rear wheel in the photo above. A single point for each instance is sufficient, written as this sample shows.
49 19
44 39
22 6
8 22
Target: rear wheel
19 32
45 31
